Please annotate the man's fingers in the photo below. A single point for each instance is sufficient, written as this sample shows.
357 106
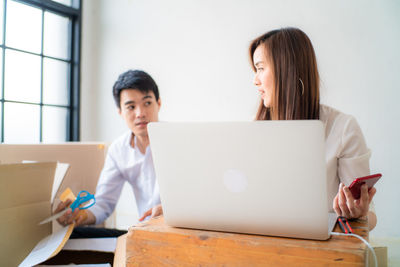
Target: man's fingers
68 217
157 210
63 219
62 205
79 220
72 216
67 203
147 213
153 212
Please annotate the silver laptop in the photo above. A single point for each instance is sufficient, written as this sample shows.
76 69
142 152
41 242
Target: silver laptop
263 177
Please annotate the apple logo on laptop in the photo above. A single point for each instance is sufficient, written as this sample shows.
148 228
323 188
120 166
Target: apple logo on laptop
235 181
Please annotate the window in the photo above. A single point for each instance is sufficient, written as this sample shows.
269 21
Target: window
39 70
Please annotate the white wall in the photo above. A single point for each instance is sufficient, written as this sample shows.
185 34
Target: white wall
196 50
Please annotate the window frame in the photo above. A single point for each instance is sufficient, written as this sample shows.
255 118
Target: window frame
74 13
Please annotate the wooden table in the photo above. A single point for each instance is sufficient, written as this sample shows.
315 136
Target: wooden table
156 244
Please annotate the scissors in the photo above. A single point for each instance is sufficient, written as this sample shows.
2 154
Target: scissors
83 197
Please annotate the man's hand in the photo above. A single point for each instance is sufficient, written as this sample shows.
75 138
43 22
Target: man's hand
345 205
70 217
153 212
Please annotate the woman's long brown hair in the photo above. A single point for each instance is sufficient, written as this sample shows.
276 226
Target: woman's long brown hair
296 88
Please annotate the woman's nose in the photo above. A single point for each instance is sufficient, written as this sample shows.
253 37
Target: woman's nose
256 81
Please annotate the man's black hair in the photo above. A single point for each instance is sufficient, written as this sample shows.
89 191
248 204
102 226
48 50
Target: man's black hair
134 79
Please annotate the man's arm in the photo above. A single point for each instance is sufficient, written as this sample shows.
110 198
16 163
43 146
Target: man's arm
107 193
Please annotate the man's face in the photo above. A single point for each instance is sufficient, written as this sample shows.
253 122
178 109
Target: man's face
138 109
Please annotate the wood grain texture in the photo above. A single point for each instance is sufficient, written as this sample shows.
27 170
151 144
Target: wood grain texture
157 244
120 252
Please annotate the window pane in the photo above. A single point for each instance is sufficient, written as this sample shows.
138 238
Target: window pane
56 30
21 123
55 82
1 20
64 2
22 77
1 71
54 124
24 27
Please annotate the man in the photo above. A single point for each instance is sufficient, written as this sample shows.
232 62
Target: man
129 157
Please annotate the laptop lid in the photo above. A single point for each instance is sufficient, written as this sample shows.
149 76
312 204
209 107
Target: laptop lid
262 177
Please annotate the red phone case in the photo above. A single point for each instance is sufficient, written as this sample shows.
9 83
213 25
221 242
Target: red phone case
370 180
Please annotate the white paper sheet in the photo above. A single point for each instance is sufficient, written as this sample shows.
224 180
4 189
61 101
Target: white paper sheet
45 248
92 244
79 265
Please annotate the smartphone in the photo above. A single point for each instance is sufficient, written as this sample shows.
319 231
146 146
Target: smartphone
370 180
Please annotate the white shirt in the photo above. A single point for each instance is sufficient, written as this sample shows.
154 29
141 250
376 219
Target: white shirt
347 155
126 164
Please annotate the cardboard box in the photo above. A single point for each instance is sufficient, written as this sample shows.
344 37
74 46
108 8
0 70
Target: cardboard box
86 161
25 200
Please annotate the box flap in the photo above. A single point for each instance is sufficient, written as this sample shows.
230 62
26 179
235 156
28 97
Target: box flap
25 183
25 191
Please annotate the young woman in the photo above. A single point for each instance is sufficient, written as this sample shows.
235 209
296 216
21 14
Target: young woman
287 78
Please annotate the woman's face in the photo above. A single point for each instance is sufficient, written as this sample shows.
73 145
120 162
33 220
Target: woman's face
263 79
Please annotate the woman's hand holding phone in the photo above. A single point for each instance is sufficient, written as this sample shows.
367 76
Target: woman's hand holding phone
353 201
346 205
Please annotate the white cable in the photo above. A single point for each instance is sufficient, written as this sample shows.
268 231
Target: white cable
365 242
